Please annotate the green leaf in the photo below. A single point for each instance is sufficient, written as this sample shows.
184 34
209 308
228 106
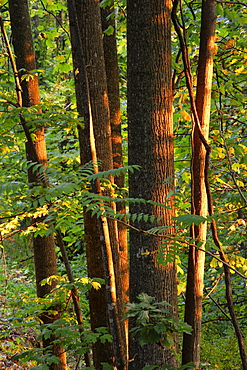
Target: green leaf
109 31
106 366
189 219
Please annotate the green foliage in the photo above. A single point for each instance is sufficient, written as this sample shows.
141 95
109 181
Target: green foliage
189 220
188 366
60 206
153 322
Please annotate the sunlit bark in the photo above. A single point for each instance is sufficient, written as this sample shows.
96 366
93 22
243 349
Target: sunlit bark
95 144
151 147
194 290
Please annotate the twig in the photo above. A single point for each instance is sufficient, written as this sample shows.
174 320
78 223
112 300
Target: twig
182 241
213 288
27 259
57 19
219 307
12 61
9 102
230 2
75 295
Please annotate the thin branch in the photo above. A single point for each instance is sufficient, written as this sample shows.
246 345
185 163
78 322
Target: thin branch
57 19
9 102
183 241
21 230
228 285
224 263
75 295
12 61
230 2
214 287
220 308
27 259
216 240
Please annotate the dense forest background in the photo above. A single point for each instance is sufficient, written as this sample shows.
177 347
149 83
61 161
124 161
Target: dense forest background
74 212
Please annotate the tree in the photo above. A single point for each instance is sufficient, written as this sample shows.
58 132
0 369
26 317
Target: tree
199 199
151 147
96 145
224 178
111 66
44 246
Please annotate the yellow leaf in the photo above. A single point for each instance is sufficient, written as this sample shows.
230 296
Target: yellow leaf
225 72
186 116
238 71
179 269
240 183
229 44
214 263
96 285
240 221
220 152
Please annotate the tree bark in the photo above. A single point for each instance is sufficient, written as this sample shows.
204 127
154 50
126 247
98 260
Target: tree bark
44 247
112 76
194 290
151 147
92 96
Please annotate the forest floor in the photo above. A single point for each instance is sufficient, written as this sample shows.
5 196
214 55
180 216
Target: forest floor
12 342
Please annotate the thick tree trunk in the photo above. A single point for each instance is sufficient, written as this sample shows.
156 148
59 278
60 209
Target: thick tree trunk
194 290
44 247
151 147
92 95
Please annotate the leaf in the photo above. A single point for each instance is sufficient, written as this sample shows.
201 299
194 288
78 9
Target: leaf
105 3
109 31
186 116
106 366
105 338
229 44
189 219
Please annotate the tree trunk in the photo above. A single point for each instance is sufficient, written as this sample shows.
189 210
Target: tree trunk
92 95
150 129
44 247
111 66
194 290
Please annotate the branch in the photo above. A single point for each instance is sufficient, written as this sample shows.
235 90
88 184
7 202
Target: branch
57 19
219 307
228 285
196 122
224 262
230 2
12 60
9 102
182 241
75 295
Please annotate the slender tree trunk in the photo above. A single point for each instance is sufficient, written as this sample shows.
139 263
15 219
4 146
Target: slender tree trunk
111 66
44 247
194 290
151 147
92 97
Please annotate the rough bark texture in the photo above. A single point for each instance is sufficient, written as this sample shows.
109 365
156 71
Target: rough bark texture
151 147
194 291
88 15
44 247
111 67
